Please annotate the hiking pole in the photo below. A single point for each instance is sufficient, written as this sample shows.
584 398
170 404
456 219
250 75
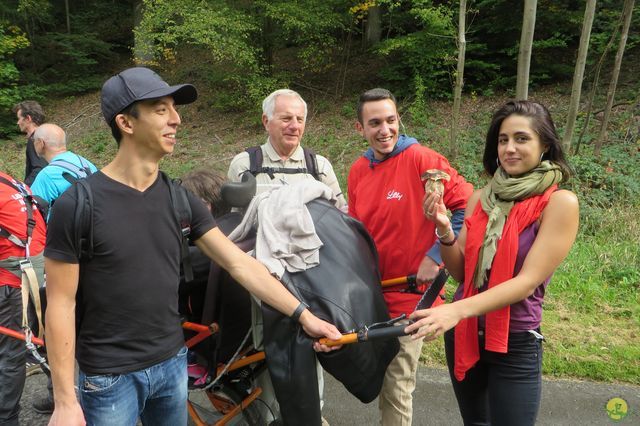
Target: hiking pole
31 342
387 329
20 336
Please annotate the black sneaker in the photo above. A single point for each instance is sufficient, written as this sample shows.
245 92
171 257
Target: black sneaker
44 405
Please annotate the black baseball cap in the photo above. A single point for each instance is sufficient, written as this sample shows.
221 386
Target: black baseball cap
139 84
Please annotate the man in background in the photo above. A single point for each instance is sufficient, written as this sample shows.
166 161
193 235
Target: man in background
50 143
64 167
30 116
282 160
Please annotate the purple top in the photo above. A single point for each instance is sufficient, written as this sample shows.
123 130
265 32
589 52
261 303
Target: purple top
526 314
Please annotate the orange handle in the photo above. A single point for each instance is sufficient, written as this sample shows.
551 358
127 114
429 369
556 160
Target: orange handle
394 281
344 340
398 280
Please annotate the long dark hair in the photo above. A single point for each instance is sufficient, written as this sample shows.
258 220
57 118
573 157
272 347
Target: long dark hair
541 123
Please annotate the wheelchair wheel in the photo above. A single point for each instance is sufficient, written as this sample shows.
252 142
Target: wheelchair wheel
213 404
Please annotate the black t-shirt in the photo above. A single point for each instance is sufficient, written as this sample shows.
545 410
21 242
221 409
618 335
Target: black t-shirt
127 300
33 163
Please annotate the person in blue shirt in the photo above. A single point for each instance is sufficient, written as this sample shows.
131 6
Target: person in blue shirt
50 143
64 166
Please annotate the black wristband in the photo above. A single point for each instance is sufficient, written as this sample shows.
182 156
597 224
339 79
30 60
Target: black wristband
450 243
295 316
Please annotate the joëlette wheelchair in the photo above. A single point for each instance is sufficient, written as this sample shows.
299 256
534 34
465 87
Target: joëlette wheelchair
225 370
232 385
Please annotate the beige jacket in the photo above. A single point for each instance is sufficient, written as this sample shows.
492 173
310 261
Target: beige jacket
240 164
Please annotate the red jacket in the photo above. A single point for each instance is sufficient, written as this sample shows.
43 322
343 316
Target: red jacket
387 197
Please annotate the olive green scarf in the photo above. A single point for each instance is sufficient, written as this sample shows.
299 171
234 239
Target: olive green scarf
497 199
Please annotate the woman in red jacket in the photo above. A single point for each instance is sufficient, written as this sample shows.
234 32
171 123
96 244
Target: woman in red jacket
517 230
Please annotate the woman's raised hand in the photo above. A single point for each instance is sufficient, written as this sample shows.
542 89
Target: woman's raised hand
435 210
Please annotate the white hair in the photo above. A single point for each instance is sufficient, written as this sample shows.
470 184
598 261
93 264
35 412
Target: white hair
269 103
53 135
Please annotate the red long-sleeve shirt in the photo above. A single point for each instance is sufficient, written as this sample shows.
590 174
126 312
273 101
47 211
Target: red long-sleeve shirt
387 197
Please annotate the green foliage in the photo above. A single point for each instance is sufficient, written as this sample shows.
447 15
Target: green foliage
493 42
221 34
309 26
34 11
601 182
70 63
39 58
248 47
11 40
423 47
418 109
608 17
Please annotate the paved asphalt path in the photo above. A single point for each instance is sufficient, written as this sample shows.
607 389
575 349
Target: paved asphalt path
564 402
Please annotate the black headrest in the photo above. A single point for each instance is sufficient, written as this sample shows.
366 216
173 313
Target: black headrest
239 194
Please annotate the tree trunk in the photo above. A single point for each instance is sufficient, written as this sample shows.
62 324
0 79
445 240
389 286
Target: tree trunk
627 13
373 31
66 11
267 43
142 46
594 84
457 92
578 74
526 42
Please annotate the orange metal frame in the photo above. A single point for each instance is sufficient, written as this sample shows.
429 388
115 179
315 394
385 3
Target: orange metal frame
227 408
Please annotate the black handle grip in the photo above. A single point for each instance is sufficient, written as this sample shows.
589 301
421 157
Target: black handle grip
386 332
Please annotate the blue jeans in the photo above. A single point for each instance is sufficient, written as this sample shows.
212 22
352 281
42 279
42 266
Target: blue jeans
501 389
157 395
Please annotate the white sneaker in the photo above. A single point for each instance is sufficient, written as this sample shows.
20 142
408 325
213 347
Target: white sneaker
33 368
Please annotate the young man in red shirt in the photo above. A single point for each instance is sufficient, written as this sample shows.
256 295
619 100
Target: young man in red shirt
386 193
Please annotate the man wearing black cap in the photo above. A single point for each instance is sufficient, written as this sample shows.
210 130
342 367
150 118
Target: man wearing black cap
124 300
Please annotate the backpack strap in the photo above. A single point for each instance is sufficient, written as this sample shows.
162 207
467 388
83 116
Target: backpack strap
83 220
256 159
182 213
311 161
30 288
31 222
76 172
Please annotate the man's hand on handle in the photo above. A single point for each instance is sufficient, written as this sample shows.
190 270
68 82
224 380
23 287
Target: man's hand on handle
315 327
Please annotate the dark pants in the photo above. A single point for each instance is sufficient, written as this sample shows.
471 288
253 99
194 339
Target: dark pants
501 389
12 356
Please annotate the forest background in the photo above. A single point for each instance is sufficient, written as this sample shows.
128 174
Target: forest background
59 52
